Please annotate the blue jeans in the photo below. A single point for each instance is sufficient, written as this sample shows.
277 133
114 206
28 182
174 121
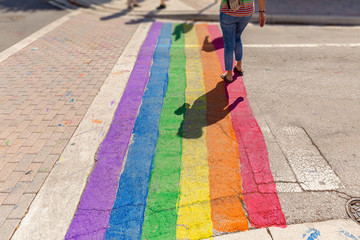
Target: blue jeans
232 27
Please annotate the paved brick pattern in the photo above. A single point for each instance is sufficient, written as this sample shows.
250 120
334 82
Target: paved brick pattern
45 90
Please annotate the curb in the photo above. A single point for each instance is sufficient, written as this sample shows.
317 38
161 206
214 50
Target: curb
196 15
270 18
62 4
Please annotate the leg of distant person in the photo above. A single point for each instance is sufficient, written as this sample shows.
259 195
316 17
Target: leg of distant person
135 4
162 5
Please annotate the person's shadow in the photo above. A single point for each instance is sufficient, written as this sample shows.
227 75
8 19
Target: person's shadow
208 109
215 44
181 29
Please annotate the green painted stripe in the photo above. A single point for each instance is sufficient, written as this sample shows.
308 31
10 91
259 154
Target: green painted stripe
161 209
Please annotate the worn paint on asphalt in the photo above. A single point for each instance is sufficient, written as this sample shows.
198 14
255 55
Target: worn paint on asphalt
92 217
259 190
196 158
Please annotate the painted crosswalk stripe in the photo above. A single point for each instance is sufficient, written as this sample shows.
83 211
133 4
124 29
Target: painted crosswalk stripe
194 216
161 211
310 167
228 214
92 216
197 162
260 196
127 214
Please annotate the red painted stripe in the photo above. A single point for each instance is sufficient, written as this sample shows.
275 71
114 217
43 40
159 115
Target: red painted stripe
260 196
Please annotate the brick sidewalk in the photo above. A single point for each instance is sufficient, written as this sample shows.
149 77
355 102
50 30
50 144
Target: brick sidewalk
45 90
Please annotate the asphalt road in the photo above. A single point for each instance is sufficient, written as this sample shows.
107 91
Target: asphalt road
19 19
303 86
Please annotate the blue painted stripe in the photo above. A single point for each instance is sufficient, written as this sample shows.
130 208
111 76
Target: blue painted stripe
127 216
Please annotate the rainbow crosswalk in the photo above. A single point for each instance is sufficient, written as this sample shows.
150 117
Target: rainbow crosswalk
184 157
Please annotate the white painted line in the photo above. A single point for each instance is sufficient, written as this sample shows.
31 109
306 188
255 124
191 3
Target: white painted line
53 208
283 175
311 169
288 187
302 45
33 37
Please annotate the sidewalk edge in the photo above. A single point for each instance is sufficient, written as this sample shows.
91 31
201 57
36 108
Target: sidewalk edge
271 18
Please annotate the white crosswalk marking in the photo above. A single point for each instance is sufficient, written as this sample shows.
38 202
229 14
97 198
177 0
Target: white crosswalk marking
311 169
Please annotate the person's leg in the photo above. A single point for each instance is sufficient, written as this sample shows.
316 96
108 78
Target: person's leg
135 3
240 26
129 4
228 26
162 5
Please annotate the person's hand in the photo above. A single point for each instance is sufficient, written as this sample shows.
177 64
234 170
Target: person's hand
262 19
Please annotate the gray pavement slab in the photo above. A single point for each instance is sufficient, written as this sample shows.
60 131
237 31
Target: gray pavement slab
314 87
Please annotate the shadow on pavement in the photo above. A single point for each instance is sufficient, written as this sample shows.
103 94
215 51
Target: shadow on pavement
208 7
116 15
124 12
214 45
121 13
182 29
142 20
201 114
25 5
178 30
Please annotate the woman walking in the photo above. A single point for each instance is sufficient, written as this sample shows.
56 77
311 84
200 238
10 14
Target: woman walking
233 23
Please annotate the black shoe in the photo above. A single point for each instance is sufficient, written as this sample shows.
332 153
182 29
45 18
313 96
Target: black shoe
223 76
240 72
136 5
161 7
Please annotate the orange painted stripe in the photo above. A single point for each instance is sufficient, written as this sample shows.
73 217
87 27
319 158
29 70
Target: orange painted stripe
227 210
262 202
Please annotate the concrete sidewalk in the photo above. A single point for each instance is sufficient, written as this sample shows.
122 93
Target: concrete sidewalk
278 11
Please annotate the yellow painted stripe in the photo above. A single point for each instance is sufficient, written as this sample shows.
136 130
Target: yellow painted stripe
194 215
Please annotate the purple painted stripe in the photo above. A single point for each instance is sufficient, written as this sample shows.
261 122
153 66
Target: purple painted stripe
92 217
